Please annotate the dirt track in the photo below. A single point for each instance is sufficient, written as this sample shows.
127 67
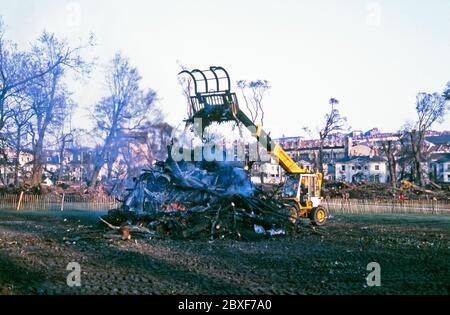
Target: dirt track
413 251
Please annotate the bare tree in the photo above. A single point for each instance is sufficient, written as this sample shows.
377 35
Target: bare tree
18 69
51 100
253 93
187 86
430 108
126 108
334 122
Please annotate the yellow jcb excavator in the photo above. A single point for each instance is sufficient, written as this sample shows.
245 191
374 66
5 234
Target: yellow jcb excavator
213 101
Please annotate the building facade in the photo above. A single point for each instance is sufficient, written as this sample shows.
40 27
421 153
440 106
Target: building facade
440 168
361 168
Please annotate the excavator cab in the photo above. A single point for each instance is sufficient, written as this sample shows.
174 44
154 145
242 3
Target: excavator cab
302 191
212 100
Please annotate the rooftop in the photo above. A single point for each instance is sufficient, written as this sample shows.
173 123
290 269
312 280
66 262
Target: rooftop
365 159
438 140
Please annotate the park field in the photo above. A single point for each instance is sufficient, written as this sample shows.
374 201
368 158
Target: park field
413 252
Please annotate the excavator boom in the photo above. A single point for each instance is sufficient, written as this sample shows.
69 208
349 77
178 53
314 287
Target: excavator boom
272 147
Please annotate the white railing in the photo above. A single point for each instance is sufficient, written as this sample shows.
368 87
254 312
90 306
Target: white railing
56 202
387 206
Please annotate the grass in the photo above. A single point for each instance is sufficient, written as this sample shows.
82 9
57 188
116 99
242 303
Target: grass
422 220
70 214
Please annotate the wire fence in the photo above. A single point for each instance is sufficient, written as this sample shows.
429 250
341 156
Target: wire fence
354 206
23 202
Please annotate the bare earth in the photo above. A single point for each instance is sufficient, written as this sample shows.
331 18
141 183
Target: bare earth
413 252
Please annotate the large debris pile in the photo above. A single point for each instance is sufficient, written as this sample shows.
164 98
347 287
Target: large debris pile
203 199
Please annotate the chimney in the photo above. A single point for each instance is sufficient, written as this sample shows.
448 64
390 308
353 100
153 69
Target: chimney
348 146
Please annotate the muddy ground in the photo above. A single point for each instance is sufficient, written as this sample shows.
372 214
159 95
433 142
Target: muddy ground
413 252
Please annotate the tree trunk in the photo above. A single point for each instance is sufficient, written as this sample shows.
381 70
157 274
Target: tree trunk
393 171
419 174
416 147
98 164
110 167
17 162
100 160
37 166
3 165
392 175
320 157
2 110
392 164
61 160
261 174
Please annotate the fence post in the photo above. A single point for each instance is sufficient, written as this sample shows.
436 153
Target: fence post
62 201
20 201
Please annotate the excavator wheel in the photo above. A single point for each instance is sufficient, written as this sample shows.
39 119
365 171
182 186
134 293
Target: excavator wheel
318 216
293 212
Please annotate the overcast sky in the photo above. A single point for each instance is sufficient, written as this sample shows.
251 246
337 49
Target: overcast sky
373 56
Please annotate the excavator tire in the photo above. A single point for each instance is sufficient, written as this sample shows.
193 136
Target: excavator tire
293 212
318 216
